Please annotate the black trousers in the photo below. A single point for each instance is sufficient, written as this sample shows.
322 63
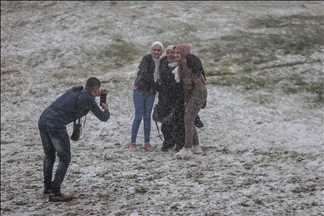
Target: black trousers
174 134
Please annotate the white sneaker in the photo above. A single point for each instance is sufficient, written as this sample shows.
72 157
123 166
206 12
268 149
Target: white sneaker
196 150
184 153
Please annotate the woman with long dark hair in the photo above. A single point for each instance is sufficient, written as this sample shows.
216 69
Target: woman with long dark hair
192 77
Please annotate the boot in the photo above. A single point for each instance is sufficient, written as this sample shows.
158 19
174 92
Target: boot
165 147
198 122
59 198
47 191
178 147
148 147
132 147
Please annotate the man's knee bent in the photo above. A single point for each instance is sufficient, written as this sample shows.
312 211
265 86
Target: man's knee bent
50 156
66 159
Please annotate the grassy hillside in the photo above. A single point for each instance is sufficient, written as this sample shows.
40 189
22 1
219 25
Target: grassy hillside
262 138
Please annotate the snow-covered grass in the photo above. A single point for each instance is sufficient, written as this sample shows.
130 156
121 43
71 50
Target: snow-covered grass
263 135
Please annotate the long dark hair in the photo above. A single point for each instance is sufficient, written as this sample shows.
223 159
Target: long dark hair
194 63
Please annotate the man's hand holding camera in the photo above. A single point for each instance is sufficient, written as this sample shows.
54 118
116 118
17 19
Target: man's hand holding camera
103 98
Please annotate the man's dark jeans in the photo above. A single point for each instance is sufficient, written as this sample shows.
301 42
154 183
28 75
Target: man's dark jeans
55 140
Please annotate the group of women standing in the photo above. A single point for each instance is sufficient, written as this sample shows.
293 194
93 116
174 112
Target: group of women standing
179 80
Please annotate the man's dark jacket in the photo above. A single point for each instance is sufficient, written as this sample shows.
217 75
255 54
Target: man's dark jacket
61 110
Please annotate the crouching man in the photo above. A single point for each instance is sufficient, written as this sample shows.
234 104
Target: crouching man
55 139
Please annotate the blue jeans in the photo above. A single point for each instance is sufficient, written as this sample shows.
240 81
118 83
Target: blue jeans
143 102
55 140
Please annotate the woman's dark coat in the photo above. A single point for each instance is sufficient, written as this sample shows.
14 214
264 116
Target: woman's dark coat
145 74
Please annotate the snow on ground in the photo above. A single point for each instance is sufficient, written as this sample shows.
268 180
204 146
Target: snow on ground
262 147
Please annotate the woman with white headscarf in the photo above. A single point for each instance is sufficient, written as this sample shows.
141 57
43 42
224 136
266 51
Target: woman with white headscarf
144 94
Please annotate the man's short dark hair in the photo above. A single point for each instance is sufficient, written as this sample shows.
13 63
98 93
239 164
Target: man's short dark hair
93 83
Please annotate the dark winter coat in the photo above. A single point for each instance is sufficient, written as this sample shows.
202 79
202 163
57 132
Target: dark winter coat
61 111
145 75
170 92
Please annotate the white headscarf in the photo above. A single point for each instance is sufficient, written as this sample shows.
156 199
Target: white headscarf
157 73
157 43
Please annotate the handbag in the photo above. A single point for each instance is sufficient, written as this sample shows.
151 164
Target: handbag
168 120
76 126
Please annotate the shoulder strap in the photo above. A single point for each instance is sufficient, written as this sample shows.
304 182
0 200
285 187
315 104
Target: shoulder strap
158 131
75 107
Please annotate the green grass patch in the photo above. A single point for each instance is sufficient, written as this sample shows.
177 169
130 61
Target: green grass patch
244 58
118 54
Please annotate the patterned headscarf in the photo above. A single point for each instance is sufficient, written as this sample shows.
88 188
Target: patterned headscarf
170 47
171 62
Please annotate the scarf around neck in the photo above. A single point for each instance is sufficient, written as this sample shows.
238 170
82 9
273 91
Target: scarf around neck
172 64
157 74
176 74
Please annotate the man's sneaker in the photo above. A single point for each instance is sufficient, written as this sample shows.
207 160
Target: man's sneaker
196 150
47 191
184 153
59 198
132 147
148 147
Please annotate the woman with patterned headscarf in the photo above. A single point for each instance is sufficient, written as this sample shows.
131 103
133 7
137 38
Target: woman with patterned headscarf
170 103
191 74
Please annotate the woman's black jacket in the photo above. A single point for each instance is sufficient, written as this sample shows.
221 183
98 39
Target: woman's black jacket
145 75
170 92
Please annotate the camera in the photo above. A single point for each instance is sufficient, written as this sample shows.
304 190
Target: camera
76 131
103 98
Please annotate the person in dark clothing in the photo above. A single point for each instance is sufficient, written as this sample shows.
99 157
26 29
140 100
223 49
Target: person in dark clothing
170 98
144 94
55 139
